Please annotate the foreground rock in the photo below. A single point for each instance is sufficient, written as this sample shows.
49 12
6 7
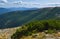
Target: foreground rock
42 36
6 33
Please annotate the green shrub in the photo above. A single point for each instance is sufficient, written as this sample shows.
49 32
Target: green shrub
37 26
49 31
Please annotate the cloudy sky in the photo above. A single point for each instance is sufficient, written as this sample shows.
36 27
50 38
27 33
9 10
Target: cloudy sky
29 3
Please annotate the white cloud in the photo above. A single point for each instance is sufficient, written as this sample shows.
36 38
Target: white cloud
26 4
5 0
54 4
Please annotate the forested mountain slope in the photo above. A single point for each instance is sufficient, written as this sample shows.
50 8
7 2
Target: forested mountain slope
17 18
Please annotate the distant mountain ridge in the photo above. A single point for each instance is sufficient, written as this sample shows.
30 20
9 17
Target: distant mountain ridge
17 18
5 10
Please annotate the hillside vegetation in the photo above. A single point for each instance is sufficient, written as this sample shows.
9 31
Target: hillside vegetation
52 26
17 18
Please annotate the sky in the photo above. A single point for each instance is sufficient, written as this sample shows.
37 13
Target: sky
29 3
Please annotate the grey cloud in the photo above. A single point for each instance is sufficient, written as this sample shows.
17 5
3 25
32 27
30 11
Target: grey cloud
2 2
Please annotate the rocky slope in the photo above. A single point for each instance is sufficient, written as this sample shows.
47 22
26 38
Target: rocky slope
6 33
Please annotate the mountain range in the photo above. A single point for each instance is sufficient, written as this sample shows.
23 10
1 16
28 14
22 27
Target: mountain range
5 10
21 17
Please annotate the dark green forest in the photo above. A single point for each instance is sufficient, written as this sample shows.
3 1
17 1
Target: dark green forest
37 26
18 18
